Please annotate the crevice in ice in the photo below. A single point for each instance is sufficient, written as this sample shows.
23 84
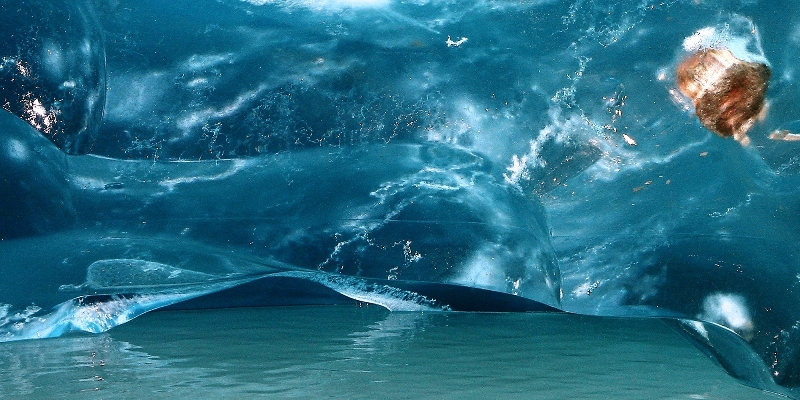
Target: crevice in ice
121 289
359 289
91 313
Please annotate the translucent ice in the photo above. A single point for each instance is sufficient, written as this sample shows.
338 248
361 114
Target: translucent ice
52 69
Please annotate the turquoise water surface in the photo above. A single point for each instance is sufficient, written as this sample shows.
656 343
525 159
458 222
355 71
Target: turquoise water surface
367 352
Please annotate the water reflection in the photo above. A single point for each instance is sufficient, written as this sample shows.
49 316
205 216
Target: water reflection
386 335
68 366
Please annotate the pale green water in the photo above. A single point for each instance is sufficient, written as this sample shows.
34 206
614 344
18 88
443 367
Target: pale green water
352 352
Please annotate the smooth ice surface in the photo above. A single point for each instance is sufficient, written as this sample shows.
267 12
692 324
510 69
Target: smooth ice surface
425 156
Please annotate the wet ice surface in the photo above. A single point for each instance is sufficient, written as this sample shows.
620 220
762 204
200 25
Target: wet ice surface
352 352
395 153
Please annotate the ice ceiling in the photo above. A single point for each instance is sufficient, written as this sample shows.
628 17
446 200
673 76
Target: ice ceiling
421 155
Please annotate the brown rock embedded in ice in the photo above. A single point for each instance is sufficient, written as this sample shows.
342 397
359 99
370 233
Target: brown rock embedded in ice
727 93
